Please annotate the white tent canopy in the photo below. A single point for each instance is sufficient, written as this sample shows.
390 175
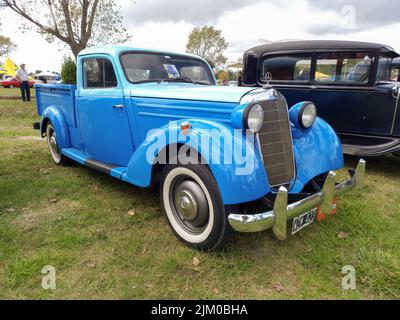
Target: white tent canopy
46 74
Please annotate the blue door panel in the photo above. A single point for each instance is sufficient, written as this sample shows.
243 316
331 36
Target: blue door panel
105 130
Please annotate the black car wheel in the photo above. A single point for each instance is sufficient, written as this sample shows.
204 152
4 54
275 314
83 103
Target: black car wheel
191 201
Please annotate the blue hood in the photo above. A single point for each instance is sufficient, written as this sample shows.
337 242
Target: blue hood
188 91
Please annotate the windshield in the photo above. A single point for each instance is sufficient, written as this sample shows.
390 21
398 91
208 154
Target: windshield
148 67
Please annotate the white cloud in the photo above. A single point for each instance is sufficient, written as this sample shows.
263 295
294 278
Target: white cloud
170 36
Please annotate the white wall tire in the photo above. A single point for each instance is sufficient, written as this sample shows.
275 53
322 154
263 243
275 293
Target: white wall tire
200 222
55 151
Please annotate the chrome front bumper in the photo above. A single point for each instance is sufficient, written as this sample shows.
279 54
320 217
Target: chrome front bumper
277 218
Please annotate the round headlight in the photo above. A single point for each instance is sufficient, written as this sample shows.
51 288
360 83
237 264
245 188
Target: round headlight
255 118
308 114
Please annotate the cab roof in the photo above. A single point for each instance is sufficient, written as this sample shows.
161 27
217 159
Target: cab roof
322 45
117 50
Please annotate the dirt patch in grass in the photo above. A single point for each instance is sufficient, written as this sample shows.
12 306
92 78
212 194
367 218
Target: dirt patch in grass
30 138
29 219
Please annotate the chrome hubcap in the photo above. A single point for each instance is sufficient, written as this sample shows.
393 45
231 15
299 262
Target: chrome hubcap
186 205
55 152
190 204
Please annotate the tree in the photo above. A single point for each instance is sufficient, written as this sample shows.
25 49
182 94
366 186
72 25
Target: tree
77 23
6 46
222 75
68 71
208 43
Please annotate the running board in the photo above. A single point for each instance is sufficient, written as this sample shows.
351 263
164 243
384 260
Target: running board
107 168
369 146
100 166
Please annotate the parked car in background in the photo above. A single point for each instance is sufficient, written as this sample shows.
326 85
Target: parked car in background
14 83
149 117
355 86
233 83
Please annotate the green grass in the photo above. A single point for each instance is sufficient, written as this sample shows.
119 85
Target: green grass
77 220
15 92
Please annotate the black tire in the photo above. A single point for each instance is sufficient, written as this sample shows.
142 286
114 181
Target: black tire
201 233
55 152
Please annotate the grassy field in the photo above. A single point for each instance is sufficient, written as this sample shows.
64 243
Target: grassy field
15 92
78 221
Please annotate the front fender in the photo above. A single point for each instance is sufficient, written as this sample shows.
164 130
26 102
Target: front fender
317 150
239 181
56 116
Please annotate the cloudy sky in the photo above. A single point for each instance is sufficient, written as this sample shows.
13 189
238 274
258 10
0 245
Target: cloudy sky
166 24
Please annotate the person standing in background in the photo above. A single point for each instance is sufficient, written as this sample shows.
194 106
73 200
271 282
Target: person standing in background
23 78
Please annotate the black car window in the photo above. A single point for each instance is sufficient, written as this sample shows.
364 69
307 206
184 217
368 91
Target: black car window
384 69
326 69
287 68
395 74
350 67
99 73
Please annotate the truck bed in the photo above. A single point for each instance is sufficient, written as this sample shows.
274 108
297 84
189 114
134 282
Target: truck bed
60 95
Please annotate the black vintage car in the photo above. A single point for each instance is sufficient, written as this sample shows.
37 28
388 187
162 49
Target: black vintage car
355 86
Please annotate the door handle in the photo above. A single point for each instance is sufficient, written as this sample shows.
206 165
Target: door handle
118 106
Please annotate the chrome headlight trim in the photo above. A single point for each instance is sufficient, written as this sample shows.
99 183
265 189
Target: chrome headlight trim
253 117
307 115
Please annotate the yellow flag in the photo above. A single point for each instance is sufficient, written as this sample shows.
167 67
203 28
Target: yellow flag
10 67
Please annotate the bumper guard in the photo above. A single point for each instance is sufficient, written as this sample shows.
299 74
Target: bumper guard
277 218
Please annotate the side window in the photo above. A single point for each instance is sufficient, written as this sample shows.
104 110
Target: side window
287 68
351 68
356 69
384 71
99 73
326 69
395 74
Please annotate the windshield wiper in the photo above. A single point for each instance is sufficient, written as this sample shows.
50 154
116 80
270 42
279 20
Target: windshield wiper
148 81
185 79
179 79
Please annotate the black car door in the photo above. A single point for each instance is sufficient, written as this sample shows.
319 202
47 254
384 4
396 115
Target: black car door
380 112
341 89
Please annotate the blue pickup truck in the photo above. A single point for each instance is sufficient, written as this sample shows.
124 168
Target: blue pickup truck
226 158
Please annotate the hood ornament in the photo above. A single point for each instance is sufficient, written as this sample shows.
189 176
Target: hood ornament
267 78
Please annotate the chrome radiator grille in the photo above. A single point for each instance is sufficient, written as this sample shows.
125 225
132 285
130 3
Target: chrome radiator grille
276 143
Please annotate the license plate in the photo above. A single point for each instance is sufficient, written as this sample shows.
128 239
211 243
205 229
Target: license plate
303 221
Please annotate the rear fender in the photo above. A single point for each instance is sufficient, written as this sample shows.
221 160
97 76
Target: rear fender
55 115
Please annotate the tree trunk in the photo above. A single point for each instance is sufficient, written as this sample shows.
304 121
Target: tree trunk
76 48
